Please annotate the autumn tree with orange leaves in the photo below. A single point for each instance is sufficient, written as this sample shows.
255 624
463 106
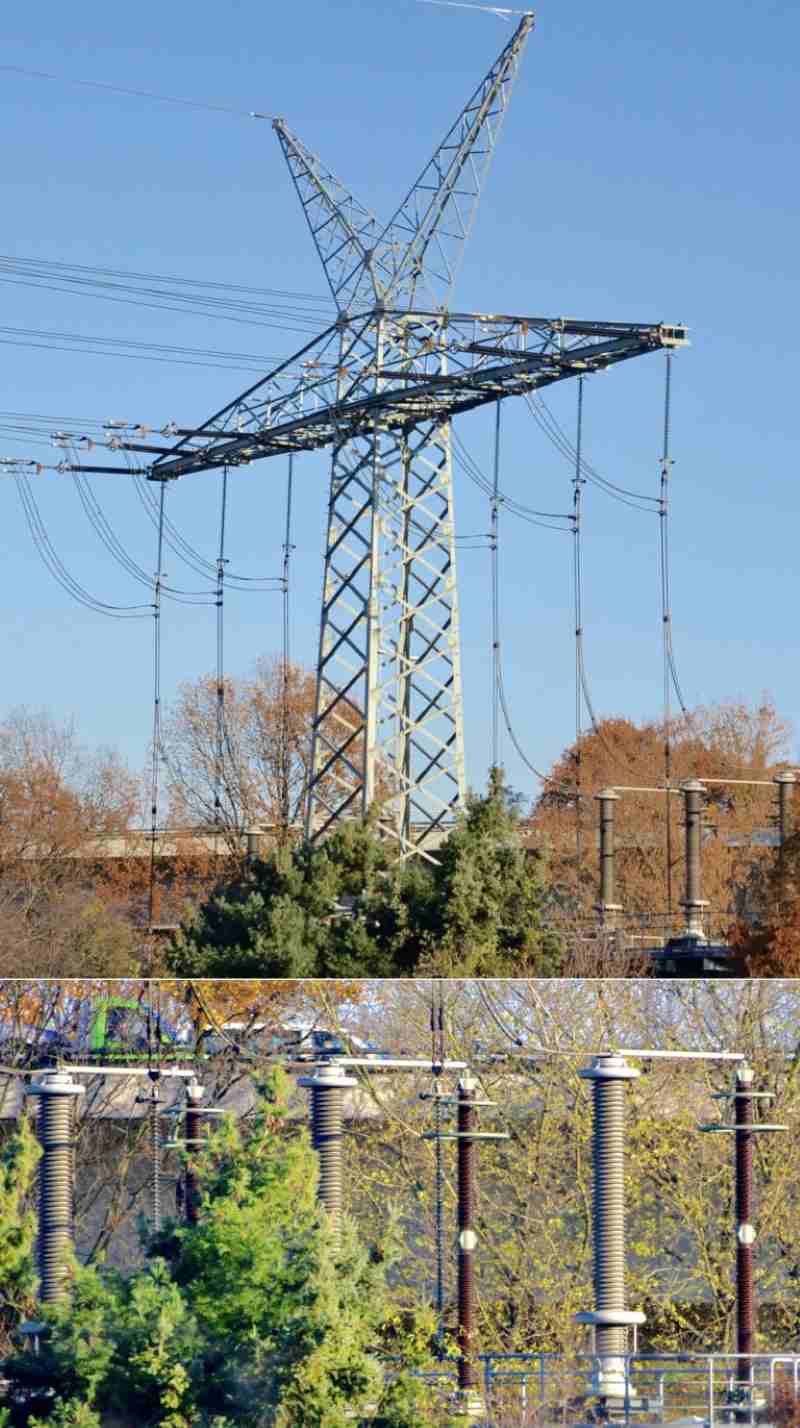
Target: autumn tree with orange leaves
57 800
725 742
263 771
771 948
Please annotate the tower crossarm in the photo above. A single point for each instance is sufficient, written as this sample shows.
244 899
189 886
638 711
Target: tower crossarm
344 231
438 365
424 240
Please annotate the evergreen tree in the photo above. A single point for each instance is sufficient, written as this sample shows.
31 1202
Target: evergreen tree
18 1161
348 908
256 1317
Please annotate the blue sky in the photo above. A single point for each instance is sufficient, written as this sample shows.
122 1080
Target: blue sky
646 172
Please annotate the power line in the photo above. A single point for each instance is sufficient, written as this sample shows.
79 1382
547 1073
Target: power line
144 351
220 701
548 424
280 311
136 93
55 565
578 617
154 789
496 595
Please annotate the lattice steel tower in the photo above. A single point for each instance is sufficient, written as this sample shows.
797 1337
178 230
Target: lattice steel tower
389 715
380 387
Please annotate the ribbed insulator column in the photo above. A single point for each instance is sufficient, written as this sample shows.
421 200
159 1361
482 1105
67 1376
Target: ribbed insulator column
694 903
609 1208
610 1317
327 1086
785 781
608 908
154 1111
56 1092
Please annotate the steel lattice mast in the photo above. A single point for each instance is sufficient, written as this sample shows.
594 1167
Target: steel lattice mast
380 387
389 714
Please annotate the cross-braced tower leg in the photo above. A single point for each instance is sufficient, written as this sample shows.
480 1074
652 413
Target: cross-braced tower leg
420 703
388 727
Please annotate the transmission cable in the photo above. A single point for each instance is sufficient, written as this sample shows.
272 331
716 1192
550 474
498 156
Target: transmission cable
220 703
286 650
154 781
187 552
141 351
56 567
136 93
547 423
495 501
577 482
110 540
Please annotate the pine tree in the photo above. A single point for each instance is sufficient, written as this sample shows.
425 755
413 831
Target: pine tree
346 908
18 1161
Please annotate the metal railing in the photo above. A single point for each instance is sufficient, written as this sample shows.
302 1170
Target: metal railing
537 1390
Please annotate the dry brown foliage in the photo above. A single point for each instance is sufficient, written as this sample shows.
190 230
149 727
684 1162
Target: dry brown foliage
726 741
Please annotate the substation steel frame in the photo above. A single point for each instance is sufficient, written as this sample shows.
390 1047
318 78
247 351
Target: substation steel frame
380 387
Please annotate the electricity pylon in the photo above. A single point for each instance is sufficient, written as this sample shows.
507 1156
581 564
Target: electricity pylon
389 712
381 386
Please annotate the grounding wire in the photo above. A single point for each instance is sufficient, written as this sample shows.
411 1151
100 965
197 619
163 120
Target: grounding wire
136 93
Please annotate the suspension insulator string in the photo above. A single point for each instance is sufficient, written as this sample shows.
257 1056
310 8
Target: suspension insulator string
154 779
495 556
666 616
577 483
219 753
285 803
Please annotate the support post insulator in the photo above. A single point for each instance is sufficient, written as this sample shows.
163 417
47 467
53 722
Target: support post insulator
608 908
610 1318
56 1092
785 781
694 904
327 1086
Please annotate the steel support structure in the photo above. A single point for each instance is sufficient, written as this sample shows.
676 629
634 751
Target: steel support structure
194 1136
380 388
744 1128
